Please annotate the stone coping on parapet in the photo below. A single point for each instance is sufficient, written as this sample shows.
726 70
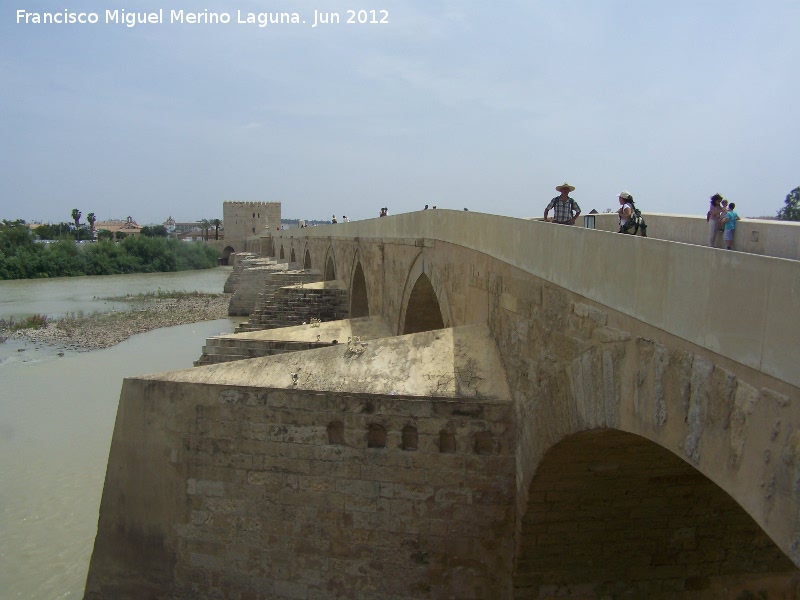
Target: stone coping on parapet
457 363
365 328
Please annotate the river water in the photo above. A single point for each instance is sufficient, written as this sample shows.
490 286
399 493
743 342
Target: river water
56 421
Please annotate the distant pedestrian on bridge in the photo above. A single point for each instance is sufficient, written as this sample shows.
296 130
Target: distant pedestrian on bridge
713 216
565 209
729 220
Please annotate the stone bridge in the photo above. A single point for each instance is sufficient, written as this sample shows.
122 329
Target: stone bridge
514 409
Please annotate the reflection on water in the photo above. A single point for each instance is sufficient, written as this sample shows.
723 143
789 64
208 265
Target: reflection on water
56 421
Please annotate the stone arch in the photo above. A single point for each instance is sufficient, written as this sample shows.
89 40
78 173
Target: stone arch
226 254
410 438
307 260
330 268
632 519
447 442
293 258
376 436
359 298
282 256
336 433
422 311
424 305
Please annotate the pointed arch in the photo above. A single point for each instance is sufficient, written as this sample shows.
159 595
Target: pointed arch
293 259
307 260
424 305
422 311
330 269
359 299
282 256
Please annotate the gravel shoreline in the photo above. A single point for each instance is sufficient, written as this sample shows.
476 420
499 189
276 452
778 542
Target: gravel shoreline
102 330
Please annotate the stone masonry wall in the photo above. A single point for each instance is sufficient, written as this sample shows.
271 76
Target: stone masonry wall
574 365
281 494
246 219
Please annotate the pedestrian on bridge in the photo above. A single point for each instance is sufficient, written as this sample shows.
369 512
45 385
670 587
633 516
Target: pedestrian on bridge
714 218
729 220
565 209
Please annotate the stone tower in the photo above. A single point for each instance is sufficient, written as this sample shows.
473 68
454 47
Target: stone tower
246 219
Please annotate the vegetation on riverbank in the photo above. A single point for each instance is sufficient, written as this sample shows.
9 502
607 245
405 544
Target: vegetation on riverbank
101 330
22 258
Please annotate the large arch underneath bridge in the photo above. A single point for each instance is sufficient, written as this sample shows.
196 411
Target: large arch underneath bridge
307 260
612 514
359 300
292 258
282 256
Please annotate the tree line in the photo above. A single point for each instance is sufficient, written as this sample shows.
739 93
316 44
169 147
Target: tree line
22 258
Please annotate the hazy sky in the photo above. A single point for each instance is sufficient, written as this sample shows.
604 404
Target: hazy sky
485 105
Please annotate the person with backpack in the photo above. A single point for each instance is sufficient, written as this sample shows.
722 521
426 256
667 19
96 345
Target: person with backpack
565 209
625 211
630 217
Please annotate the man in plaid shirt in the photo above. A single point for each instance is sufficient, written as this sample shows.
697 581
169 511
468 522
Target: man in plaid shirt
563 206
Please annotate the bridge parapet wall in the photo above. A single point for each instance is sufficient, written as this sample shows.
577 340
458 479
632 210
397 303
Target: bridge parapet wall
690 291
780 239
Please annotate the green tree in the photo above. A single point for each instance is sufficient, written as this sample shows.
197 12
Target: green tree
791 212
14 236
205 225
105 234
216 223
154 231
53 232
76 217
91 219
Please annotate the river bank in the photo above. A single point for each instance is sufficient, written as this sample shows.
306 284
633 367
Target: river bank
146 313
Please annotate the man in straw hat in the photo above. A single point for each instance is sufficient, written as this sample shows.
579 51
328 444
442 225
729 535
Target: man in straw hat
565 209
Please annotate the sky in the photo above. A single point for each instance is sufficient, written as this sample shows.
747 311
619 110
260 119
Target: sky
459 104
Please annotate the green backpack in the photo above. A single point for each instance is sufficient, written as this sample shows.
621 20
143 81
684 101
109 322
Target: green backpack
636 222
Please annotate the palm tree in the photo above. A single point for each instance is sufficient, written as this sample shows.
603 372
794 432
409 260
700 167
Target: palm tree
91 218
205 226
216 223
76 216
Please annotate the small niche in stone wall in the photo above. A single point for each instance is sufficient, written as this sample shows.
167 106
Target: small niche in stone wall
483 443
409 438
376 437
447 442
336 433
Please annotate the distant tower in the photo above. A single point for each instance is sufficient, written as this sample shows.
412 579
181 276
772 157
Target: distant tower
247 219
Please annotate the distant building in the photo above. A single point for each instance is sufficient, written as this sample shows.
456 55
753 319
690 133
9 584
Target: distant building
247 219
128 226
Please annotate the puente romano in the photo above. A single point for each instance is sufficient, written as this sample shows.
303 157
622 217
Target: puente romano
447 404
